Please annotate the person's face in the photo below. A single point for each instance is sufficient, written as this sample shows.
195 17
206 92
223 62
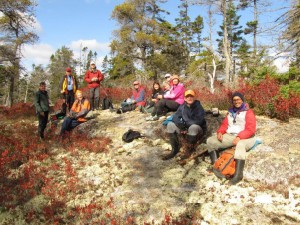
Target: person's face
156 86
93 66
79 96
175 81
136 86
43 87
167 87
189 99
68 73
237 101
168 78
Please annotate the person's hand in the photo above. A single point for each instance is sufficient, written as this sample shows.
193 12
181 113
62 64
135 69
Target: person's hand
220 136
236 140
133 101
155 100
62 92
42 114
183 131
159 96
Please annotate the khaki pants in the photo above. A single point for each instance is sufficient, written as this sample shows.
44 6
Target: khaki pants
244 145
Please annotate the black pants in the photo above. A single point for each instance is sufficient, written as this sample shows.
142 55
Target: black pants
70 98
163 106
94 97
43 120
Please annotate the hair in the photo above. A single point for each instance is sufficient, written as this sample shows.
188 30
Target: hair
42 83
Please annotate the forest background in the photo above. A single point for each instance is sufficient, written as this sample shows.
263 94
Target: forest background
214 52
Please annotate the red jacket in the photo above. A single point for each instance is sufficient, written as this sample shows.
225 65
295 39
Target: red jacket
139 96
88 78
245 124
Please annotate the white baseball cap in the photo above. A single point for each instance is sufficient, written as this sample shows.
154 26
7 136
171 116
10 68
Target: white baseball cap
167 75
92 62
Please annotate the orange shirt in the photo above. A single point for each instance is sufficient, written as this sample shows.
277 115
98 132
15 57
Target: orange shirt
81 107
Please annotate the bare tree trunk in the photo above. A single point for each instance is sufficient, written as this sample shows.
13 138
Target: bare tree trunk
212 77
226 44
255 29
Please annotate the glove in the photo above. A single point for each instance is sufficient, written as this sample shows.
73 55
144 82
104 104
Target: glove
182 125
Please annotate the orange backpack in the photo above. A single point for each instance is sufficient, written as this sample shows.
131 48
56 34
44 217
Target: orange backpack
225 164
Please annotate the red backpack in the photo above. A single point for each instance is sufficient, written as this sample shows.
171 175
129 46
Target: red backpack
225 164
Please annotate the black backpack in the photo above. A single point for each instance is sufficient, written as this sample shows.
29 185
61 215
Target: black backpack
130 135
107 103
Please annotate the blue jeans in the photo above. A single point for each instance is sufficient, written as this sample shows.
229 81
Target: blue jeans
68 124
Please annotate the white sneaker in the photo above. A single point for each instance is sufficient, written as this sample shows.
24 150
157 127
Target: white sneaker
148 118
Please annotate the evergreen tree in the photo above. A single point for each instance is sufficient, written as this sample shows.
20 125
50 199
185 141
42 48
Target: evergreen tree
61 59
16 20
197 27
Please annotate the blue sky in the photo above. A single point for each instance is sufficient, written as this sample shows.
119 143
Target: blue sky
88 22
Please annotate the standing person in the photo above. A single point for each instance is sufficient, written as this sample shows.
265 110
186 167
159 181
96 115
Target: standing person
189 120
42 107
77 114
93 77
237 129
68 84
170 101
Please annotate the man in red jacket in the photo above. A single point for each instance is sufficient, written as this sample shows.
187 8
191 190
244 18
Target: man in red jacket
237 129
93 77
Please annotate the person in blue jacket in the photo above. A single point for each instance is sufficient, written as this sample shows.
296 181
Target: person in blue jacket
189 120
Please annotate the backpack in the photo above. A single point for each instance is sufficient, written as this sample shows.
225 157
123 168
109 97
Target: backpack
225 164
130 135
106 103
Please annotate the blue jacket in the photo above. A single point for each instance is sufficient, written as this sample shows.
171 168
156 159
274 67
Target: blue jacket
186 116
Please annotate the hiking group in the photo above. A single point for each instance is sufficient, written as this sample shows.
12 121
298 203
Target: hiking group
188 120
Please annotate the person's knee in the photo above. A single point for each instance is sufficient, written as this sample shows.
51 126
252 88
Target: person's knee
171 127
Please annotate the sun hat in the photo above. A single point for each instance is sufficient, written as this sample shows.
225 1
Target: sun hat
167 75
68 69
78 92
136 82
92 63
189 92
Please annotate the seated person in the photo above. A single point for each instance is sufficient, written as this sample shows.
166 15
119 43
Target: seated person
137 99
189 119
156 90
166 87
169 101
237 129
76 116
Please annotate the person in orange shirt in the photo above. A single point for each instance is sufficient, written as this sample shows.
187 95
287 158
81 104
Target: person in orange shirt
79 110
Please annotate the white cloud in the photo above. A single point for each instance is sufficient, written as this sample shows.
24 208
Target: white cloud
37 54
101 48
41 53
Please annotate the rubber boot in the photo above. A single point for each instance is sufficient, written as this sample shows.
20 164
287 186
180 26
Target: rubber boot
239 168
213 156
92 104
175 146
97 103
190 147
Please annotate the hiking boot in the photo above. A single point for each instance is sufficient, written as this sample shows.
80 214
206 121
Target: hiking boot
238 175
175 146
213 156
190 146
